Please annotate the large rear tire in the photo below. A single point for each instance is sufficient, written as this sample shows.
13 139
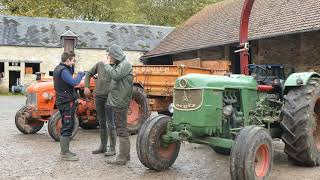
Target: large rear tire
251 154
301 124
138 110
55 124
25 123
151 151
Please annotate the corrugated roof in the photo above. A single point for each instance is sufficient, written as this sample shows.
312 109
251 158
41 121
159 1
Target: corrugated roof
29 31
218 24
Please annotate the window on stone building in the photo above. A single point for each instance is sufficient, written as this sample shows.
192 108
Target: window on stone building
1 71
14 64
32 68
1 67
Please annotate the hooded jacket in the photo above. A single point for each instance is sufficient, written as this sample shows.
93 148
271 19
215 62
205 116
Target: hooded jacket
103 81
121 79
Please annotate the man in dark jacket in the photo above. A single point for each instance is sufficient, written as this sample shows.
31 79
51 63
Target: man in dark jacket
66 97
104 112
119 98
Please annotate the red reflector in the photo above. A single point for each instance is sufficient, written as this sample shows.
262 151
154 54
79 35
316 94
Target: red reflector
264 88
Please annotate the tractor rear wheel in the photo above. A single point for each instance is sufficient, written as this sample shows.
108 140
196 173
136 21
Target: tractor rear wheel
138 110
55 124
25 123
152 151
301 124
251 154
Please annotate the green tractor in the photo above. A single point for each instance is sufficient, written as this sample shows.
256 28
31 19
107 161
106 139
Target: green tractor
232 113
238 115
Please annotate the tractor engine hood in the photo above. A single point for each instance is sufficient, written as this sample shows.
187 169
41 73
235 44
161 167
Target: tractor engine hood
216 82
41 87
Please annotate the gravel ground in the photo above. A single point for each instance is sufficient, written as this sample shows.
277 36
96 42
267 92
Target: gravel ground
36 156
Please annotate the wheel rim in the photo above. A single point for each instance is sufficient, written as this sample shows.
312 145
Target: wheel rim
133 113
166 152
58 127
262 161
316 132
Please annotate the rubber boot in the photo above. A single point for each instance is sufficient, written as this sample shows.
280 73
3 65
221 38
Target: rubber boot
65 153
113 139
124 152
104 140
74 154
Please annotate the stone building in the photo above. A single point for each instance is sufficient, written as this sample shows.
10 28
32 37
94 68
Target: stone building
280 31
29 45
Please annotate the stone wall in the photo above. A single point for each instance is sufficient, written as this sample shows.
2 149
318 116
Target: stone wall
48 59
297 52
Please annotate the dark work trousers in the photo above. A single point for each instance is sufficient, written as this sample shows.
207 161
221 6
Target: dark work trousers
105 114
120 117
67 111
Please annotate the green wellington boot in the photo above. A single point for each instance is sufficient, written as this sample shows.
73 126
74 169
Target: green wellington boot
124 152
65 154
104 140
113 139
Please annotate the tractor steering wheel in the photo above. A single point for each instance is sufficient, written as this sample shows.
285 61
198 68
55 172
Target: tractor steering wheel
259 73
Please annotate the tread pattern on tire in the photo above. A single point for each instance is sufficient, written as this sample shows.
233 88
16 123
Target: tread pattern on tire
243 152
51 126
298 122
146 154
21 129
141 97
142 151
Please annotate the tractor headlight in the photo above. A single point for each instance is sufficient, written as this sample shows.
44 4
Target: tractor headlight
170 108
46 96
183 83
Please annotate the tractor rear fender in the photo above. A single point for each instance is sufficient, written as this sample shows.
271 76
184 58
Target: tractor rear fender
298 79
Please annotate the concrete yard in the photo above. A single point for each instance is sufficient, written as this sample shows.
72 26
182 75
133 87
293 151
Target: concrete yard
36 156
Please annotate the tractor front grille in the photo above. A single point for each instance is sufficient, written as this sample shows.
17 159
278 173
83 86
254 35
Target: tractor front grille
31 99
187 99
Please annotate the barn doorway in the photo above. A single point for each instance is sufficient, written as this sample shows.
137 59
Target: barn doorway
1 71
235 59
14 77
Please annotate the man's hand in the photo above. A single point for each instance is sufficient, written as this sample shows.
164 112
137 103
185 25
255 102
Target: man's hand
106 60
87 92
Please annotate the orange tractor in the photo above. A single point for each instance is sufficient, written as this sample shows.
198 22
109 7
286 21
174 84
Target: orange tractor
153 90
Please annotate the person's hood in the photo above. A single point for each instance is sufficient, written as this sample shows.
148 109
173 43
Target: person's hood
116 52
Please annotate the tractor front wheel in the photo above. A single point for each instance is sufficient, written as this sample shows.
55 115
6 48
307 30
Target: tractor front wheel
25 123
301 124
251 154
138 110
55 124
152 151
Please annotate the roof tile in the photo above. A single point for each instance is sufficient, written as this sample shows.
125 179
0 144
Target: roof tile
218 24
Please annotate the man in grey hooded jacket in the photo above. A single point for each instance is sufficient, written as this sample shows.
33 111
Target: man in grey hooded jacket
119 98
